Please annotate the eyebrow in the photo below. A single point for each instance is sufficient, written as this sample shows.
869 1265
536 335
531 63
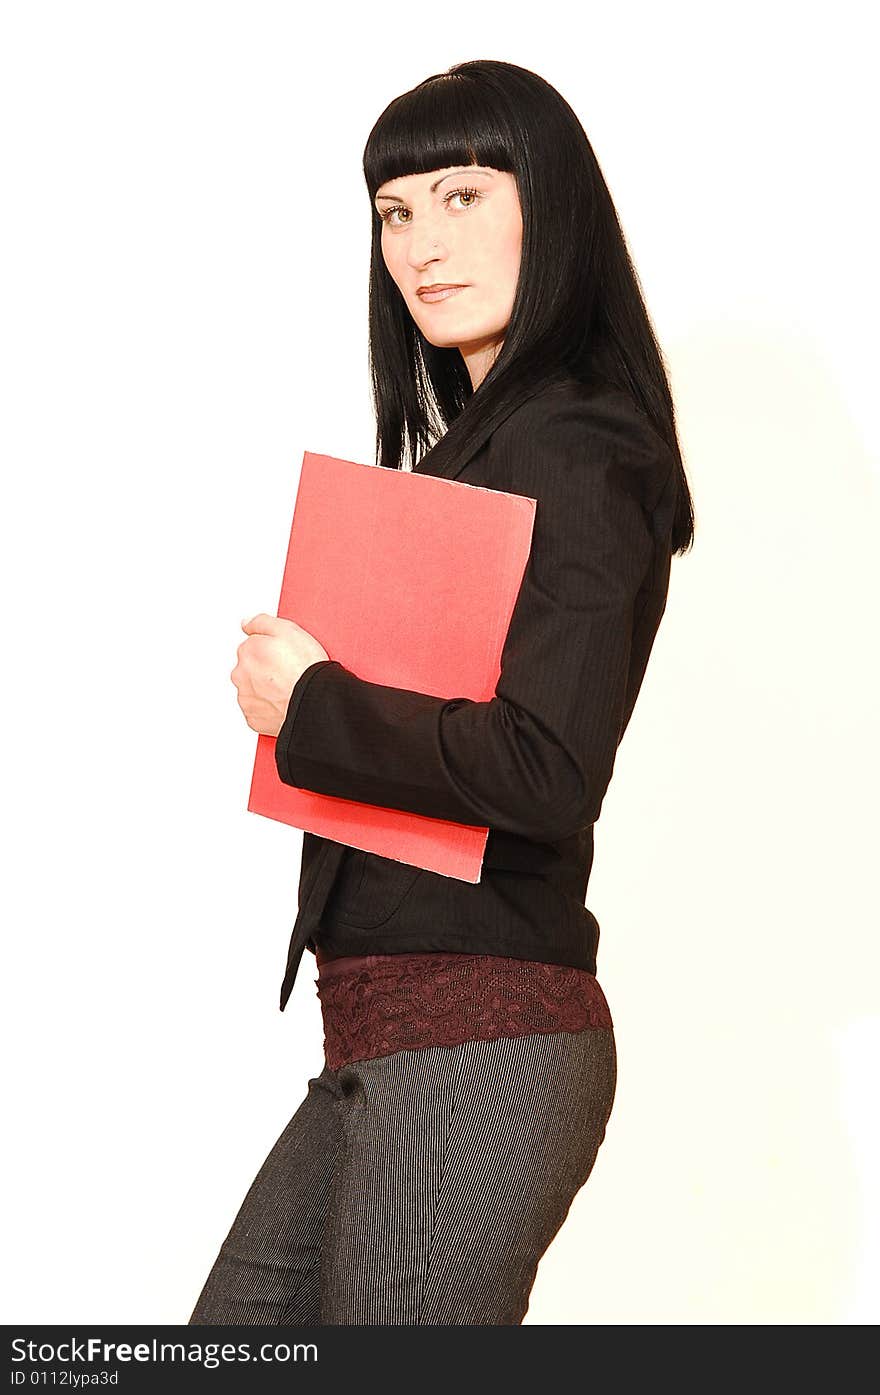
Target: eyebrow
467 169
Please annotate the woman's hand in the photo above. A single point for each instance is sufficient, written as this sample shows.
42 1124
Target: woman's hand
270 661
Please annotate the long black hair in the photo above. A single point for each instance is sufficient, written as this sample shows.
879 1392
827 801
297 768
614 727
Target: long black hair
578 308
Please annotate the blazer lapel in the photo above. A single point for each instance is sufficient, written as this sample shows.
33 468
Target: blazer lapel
445 469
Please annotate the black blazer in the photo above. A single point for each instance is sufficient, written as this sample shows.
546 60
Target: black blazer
533 763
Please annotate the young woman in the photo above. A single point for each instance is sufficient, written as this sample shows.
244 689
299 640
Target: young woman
470 1063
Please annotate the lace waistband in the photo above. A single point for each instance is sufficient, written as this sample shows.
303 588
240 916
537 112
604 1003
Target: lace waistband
374 1004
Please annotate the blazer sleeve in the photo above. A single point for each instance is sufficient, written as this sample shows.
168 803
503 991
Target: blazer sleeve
537 758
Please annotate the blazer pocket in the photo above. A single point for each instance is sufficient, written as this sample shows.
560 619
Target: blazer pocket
368 889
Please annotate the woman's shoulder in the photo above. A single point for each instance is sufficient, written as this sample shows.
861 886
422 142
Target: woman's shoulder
587 424
591 405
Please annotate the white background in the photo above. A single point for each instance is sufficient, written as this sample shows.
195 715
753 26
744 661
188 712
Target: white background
184 312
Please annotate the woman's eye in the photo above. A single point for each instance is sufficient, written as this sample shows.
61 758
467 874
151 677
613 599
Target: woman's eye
386 213
473 195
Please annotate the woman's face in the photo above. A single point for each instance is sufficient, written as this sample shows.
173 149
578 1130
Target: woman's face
461 226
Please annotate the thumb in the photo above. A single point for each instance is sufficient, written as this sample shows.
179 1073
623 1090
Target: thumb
259 624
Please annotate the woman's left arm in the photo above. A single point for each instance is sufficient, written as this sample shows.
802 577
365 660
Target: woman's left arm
537 758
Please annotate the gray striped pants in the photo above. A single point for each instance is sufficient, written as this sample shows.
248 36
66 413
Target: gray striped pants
420 1187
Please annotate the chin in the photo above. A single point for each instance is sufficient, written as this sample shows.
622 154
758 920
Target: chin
451 333
448 341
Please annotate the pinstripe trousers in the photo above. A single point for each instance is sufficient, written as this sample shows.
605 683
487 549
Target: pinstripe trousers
421 1187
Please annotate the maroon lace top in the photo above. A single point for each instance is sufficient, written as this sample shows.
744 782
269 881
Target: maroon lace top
374 1004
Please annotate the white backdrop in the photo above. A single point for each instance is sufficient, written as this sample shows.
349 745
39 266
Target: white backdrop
184 312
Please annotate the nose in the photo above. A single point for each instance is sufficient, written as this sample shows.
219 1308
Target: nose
425 245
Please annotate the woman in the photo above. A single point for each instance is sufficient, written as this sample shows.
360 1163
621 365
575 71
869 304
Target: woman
470 1057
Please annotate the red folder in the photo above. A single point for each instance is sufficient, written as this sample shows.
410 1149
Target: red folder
407 580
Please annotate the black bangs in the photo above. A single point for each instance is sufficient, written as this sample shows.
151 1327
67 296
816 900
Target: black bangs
445 120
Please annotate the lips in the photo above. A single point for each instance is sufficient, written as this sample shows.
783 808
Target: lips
440 292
